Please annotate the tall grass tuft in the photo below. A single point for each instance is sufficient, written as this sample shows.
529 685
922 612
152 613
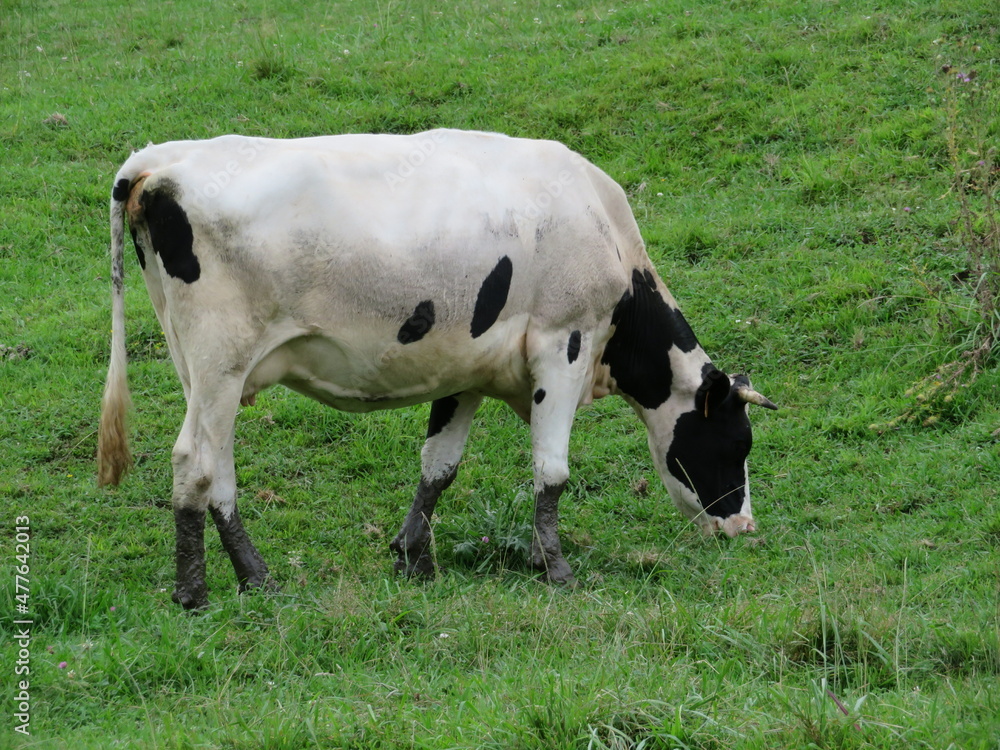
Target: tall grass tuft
271 61
971 126
969 105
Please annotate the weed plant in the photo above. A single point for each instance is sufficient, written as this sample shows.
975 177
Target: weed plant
971 134
820 193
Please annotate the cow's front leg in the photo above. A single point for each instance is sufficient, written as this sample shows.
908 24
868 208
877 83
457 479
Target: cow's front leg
546 549
558 362
250 568
447 431
412 543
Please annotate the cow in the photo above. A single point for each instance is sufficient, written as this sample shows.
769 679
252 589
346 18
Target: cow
380 271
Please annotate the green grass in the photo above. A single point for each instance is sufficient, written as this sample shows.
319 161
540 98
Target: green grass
788 164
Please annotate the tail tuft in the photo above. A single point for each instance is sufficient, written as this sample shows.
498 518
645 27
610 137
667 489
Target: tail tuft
114 458
113 455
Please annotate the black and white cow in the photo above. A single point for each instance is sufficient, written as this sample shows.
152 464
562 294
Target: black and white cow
378 271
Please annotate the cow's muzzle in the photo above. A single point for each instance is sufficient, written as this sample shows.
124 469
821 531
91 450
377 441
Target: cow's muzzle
738 524
732 527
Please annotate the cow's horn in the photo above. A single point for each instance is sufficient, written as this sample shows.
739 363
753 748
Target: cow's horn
748 394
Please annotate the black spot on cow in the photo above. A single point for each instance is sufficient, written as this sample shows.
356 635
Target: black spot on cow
539 395
573 347
492 297
418 324
171 235
138 250
708 453
120 190
442 412
646 327
681 334
684 338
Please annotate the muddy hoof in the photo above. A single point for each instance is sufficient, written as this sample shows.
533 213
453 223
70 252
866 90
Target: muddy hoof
191 599
568 582
556 570
422 567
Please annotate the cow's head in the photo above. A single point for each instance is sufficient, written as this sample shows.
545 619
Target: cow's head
704 466
696 415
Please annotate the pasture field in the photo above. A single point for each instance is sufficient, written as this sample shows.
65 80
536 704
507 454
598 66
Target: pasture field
792 165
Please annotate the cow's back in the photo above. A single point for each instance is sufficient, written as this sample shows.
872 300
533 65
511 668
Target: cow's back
417 262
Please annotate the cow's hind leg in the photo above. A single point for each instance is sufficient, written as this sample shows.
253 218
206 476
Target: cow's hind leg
447 431
251 570
558 363
205 478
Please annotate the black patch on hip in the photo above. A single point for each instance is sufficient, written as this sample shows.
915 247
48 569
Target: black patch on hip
138 250
442 412
120 190
418 324
646 327
171 234
573 347
492 297
539 395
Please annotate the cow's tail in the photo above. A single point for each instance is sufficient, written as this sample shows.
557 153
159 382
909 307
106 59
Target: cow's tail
113 455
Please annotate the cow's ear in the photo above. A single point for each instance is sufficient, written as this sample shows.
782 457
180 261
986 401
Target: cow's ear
714 389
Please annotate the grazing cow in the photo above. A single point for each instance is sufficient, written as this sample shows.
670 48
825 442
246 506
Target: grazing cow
378 271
